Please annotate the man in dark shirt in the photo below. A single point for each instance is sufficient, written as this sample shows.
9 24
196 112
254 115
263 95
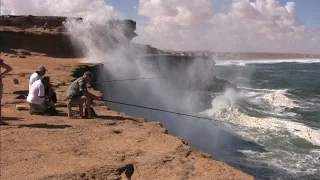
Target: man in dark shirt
7 70
78 93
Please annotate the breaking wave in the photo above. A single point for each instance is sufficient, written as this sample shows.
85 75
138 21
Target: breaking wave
234 107
264 117
271 61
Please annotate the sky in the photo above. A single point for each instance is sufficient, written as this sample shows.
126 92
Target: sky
215 25
308 11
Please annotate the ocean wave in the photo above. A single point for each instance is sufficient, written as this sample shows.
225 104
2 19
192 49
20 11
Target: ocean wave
225 108
279 99
274 97
269 61
256 89
234 116
296 163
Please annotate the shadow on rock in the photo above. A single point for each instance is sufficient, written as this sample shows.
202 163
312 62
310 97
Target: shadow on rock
46 126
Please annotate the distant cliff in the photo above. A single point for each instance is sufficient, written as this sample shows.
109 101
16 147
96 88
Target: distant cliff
47 35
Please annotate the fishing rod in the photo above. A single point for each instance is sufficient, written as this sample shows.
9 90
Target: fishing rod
137 79
160 110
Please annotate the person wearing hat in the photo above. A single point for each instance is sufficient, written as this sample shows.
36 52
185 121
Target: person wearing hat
40 72
36 97
78 93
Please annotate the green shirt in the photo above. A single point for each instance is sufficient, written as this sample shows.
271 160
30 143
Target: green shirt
77 88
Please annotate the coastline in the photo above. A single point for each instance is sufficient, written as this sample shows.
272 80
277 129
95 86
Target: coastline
113 146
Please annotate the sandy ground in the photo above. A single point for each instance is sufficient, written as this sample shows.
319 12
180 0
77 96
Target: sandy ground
114 146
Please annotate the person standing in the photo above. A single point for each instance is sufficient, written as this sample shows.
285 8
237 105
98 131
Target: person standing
7 70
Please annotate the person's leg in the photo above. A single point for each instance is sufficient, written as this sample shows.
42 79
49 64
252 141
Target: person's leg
78 100
83 101
45 108
38 108
88 106
2 122
54 97
1 92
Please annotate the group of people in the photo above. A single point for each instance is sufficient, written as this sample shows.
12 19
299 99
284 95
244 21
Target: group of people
42 97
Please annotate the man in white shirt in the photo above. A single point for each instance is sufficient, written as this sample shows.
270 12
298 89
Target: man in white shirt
36 97
37 75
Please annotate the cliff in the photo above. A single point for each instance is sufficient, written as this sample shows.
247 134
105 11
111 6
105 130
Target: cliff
113 146
48 35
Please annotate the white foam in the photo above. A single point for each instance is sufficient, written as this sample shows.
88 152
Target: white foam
266 61
224 109
279 99
297 163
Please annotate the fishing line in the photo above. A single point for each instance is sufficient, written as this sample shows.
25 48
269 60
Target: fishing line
160 110
137 79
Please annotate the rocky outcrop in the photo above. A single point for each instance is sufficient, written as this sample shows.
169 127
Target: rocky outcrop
191 73
48 35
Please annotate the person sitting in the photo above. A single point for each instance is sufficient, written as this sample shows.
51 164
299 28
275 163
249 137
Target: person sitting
37 96
78 93
7 70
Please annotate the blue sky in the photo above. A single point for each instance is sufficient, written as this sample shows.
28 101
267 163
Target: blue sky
308 11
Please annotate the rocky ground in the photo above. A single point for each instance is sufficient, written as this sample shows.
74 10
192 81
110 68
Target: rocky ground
113 146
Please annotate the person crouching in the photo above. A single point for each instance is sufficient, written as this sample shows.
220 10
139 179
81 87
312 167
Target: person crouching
37 96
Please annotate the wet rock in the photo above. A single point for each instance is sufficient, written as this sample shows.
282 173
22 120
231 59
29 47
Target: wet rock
24 52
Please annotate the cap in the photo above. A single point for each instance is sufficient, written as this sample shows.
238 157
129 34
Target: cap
42 68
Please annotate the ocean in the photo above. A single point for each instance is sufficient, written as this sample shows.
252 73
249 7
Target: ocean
268 127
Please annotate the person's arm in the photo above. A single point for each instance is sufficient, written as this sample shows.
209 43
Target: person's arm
84 90
95 97
42 93
49 90
92 96
32 80
6 67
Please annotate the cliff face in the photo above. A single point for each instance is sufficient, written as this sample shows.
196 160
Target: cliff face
47 35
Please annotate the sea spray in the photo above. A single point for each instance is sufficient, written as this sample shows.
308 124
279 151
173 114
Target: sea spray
183 87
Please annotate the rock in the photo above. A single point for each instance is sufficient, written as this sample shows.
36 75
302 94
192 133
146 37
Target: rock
206 155
15 81
24 52
115 131
22 56
55 42
82 175
45 26
21 97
